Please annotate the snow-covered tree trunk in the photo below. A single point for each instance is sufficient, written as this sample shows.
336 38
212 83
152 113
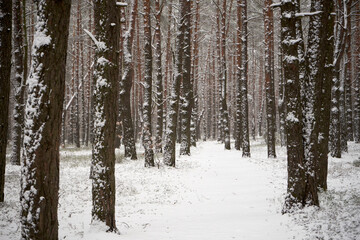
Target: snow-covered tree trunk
269 80
282 104
20 65
295 152
125 88
195 125
5 70
147 132
323 88
340 36
357 80
348 79
238 125
187 93
40 168
77 80
106 76
244 81
172 115
223 80
159 78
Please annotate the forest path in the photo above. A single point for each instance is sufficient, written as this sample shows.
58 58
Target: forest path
230 198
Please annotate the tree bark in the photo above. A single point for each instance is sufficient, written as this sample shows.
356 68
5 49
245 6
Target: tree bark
187 93
244 82
295 150
5 70
125 88
269 80
40 170
147 132
106 75
20 64
172 117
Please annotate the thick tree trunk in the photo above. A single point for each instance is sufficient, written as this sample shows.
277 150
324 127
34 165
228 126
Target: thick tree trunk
147 132
295 152
5 70
106 76
40 171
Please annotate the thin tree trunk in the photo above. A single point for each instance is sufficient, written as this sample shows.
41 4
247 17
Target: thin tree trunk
187 93
20 80
147 132
172 117
125 88
5 70
269 80
244 82
159 77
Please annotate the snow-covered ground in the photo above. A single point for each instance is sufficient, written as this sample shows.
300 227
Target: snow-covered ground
214 194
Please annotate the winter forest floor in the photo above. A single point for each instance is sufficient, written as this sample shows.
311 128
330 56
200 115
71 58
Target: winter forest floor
213 194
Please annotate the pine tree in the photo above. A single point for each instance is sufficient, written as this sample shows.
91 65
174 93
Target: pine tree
187 94
295 152
172 115
40 170
147 132
244 81
269 80
20 64
5 70
159 79
125 88
106 75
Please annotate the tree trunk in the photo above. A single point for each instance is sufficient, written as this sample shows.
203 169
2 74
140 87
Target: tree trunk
159 76
147 132
125 88
187 93
269 80
40 171
20 64
244 82
295 152
5 70
172 117
106 75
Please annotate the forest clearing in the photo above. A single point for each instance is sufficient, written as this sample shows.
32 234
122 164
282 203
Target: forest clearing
179 119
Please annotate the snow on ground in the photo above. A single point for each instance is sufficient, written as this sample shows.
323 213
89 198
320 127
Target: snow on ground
214 194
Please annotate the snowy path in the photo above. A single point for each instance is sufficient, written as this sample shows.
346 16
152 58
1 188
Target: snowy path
232 198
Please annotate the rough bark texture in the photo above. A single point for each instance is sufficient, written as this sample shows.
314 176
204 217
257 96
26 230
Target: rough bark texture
238 125
105 95
20 81
40 169
244 82
269 80
5 69
147 132
223 80
335 147
125 88
172 117
187 94
159 76
295 153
